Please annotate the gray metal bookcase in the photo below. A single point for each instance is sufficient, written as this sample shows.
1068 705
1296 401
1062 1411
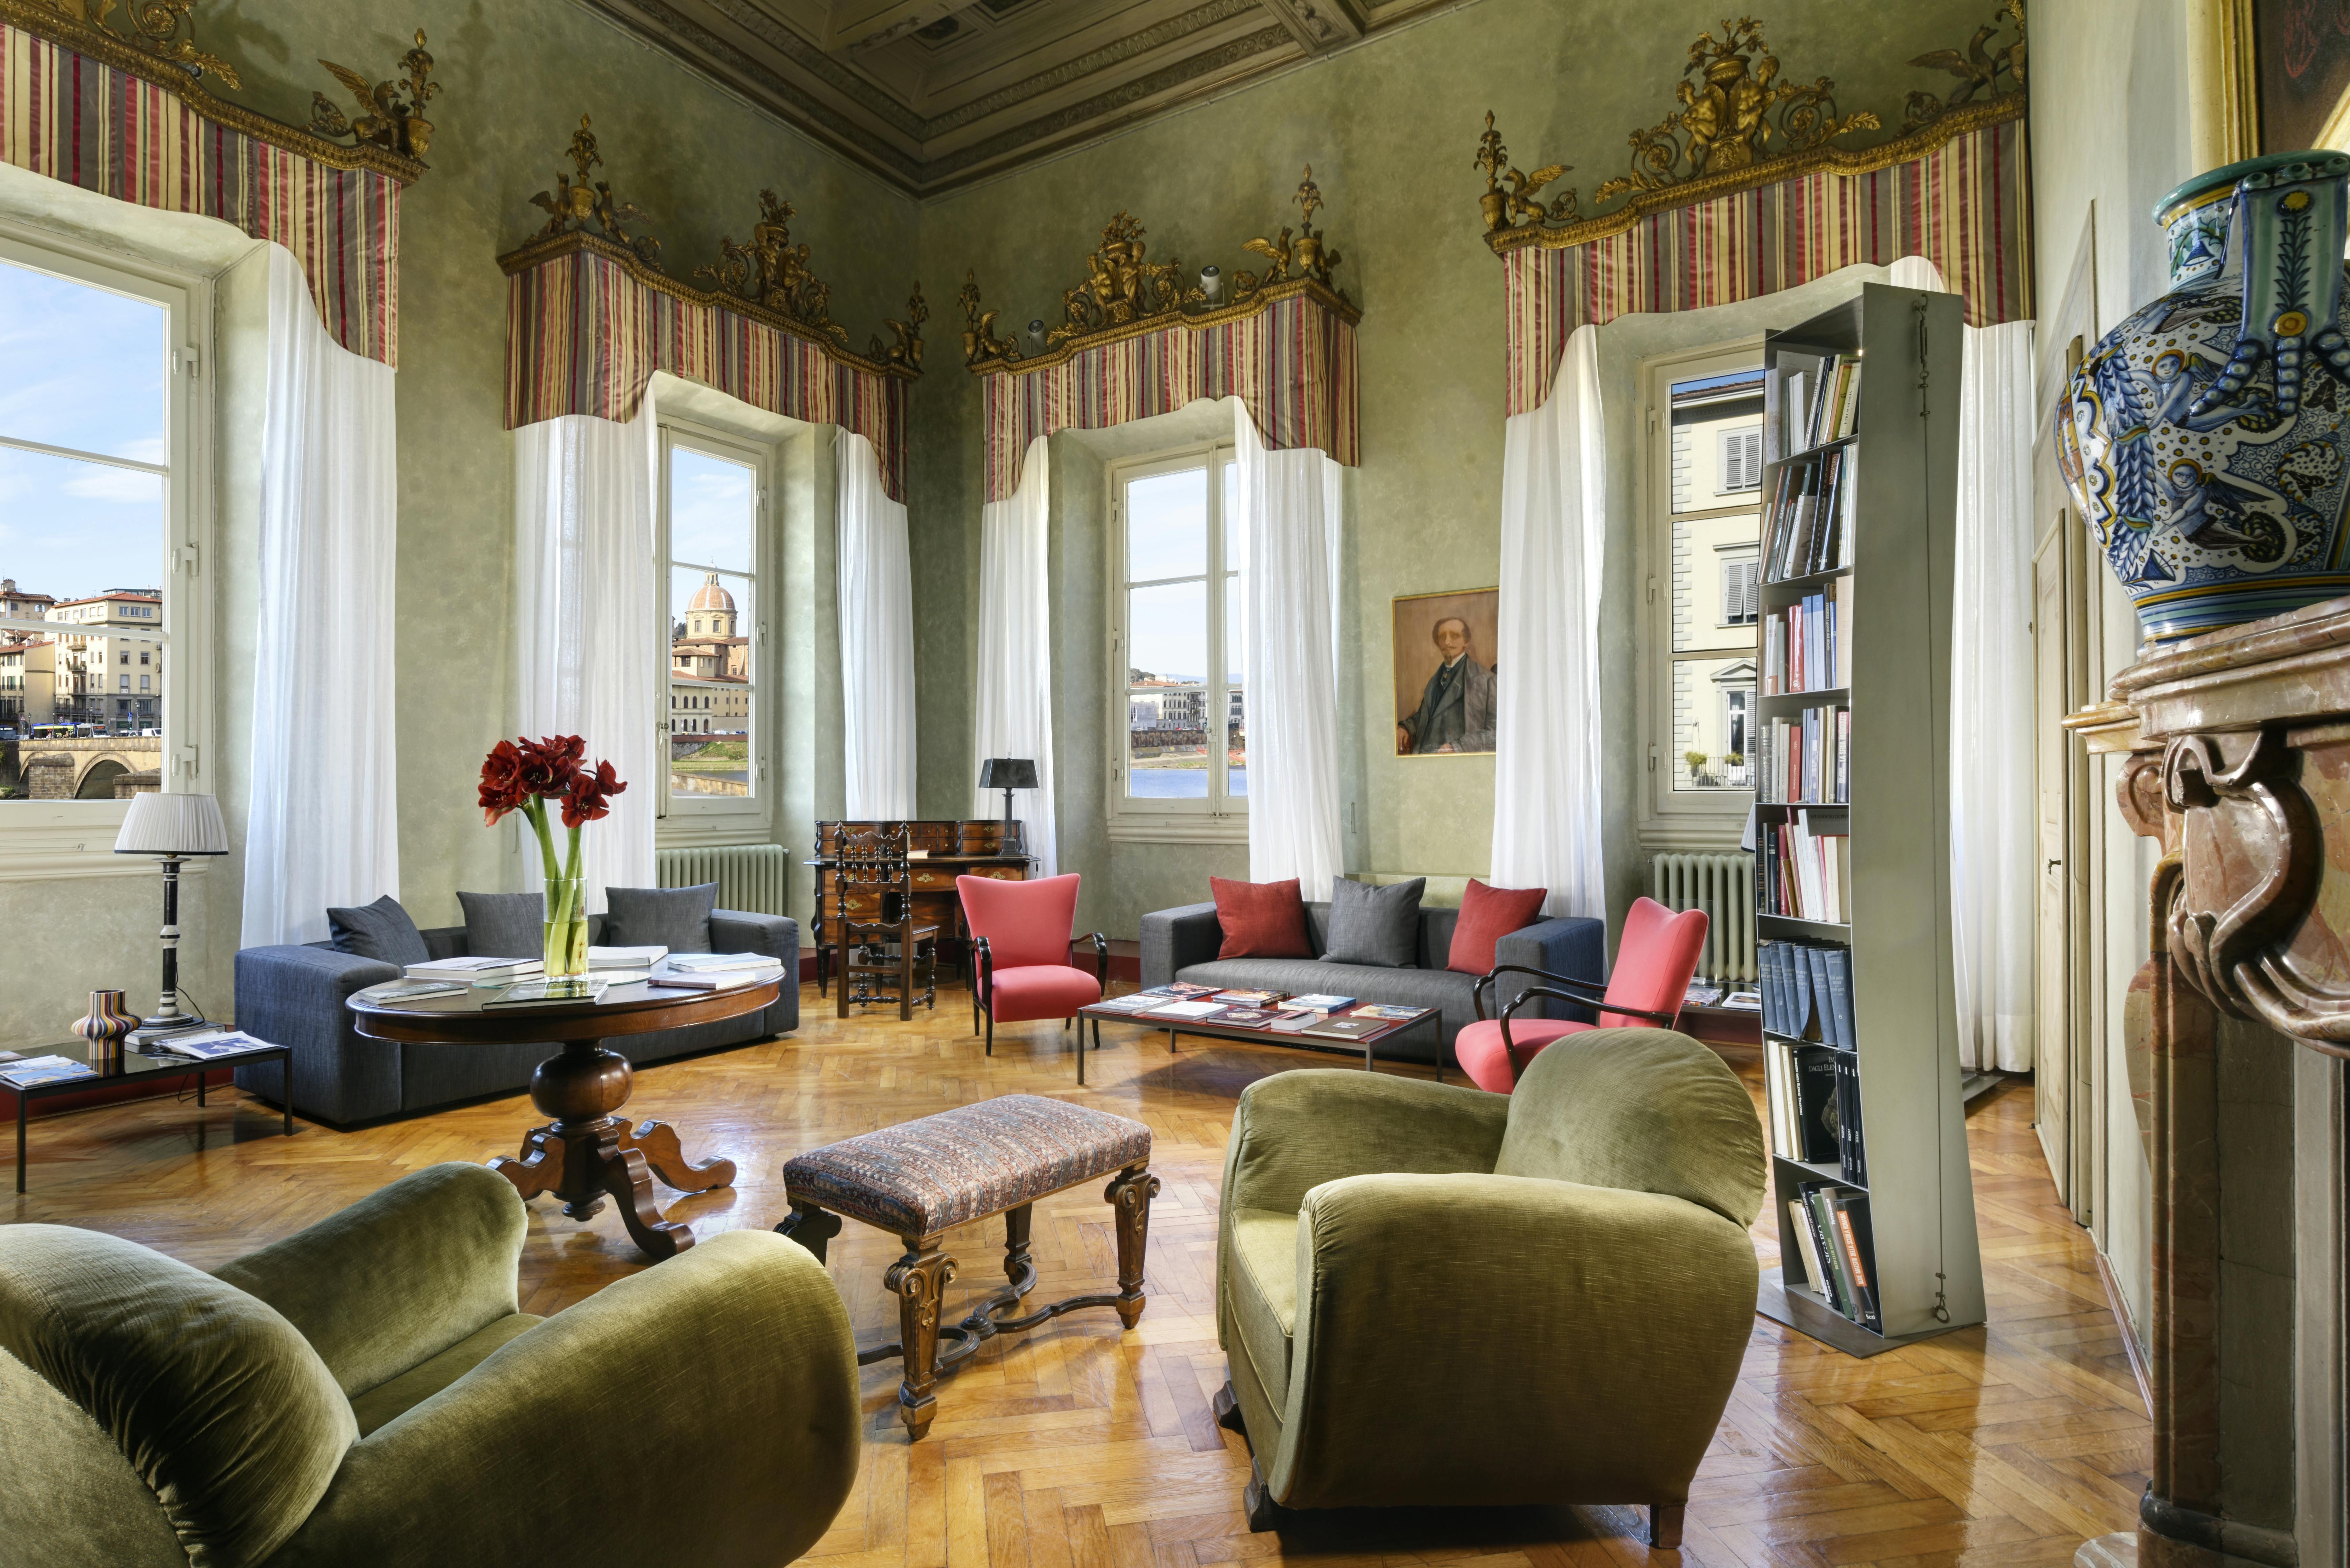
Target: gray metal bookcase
1928 1267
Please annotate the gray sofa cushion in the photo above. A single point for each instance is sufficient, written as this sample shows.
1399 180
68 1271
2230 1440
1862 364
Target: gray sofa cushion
505 925
381 930
677 918
1376 926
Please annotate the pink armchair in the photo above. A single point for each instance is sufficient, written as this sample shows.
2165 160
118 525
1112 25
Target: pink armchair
1020 946
1654 966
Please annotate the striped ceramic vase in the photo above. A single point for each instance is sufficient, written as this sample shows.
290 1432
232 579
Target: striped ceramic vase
109 1022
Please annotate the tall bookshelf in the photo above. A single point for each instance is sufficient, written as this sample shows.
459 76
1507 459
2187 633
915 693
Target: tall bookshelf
1890 581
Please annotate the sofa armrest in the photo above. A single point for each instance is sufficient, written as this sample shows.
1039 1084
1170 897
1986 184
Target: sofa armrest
1572 945
398 1277
1296 1130
702 1412
1174 939
1566 1341
777 936
294 996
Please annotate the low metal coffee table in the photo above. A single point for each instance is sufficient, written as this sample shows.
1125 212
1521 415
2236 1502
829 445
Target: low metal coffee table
124 1065
1258 1035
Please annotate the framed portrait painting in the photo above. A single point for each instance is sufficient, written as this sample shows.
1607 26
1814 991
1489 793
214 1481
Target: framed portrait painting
1444 672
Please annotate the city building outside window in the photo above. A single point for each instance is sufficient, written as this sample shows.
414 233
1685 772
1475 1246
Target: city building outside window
712 501
1178 654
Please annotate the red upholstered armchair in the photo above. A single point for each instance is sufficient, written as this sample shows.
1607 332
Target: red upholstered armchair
1653 968
1020 950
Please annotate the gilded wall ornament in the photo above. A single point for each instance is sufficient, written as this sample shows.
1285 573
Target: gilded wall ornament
1121 287
907 348
1509 198
980 346
154 29
1979 69
1309 252
574 205
772 273
392 113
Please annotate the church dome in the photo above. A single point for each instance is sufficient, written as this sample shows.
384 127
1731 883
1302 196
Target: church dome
711 597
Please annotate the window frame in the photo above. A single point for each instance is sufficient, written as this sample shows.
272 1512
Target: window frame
75 838
1222 817
1687 821
680 819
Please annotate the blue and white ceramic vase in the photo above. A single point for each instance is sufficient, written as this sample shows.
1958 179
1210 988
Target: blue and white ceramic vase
2204 439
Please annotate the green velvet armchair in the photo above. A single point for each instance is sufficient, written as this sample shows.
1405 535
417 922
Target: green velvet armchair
367 1392
1435 1295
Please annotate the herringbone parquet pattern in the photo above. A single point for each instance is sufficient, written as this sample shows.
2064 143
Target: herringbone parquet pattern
1079 1447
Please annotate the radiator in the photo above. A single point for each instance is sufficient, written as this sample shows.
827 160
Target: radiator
750 877
1723 887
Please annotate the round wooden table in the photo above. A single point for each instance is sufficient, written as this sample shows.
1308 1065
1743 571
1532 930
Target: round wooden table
586 1151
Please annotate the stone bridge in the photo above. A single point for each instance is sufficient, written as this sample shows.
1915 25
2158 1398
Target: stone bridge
97 767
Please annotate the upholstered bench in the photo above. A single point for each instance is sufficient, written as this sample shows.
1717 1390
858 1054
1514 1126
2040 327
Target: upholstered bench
922 1179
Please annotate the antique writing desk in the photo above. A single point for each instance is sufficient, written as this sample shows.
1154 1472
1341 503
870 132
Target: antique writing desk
946 850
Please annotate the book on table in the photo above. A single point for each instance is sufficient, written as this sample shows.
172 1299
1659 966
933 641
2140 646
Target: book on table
33 1071
1390 1012
1248 998
1133 1002
1349 1028
626 958
471 968
1197 1012
524 992
723 979
1183 988
1319 1002
1248 1017
415 989
715 963
210 1045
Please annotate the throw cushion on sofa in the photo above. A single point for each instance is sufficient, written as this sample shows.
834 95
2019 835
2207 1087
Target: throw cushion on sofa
1374 925
1261 919
1487 915
381 930
677 918
505 925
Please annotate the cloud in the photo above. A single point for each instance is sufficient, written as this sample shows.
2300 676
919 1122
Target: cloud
95 482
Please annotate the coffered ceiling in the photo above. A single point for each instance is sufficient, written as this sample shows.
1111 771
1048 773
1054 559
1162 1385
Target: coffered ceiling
936 93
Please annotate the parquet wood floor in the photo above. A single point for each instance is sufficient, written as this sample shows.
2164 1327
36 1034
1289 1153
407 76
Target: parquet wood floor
1079 1447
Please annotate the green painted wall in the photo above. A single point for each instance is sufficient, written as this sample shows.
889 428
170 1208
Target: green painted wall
1389 128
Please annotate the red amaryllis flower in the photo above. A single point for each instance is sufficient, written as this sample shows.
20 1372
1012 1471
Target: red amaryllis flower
590 795
501 785
549 762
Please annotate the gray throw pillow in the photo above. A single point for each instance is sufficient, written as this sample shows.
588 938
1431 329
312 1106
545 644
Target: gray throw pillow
505 925
1374 925
381 931
675 918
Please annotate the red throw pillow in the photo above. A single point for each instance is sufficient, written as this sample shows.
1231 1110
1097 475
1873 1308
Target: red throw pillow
1261 919
1487 915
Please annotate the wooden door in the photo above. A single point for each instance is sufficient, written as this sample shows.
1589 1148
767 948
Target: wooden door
2053 971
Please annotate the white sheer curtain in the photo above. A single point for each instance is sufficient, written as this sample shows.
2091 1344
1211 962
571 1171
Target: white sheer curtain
586 650
1994 852
323 825
1014 710
877 640
1293 502
1546 827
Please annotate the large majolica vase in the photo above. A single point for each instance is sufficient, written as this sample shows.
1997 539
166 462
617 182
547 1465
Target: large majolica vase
2205 438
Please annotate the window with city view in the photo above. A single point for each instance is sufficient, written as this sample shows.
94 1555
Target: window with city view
710 540
1182 545
87 420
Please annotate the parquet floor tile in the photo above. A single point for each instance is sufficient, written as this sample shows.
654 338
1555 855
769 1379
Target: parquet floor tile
1078 1446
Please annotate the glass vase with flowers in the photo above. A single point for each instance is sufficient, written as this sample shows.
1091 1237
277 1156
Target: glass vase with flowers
525 775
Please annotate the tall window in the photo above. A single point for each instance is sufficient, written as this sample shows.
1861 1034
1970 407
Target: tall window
1703 500
1177 644
98 518
712 493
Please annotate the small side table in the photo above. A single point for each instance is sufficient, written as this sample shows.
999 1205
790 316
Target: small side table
136 1065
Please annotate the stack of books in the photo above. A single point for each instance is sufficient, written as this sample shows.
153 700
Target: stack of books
1804 647
484 970
704 971
1806 867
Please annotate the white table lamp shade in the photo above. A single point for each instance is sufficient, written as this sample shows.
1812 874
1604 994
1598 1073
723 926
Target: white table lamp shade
160 824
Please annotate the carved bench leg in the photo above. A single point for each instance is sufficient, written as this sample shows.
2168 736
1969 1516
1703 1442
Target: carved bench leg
918 1280
1131 1194
811 1227
1664 1525
1019 1266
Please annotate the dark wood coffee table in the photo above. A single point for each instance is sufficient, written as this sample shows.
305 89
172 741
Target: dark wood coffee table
124 1064
1369 1044
586 1152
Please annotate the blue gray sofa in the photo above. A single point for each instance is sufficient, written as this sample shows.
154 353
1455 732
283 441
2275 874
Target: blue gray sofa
1183 943
295 995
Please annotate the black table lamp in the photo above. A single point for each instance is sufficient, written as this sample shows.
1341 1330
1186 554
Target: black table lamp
171 827
1007 774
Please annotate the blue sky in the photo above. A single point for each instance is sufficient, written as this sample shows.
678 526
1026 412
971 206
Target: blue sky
1166 537
84 369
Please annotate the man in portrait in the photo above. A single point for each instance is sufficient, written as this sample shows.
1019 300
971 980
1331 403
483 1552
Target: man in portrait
1456 708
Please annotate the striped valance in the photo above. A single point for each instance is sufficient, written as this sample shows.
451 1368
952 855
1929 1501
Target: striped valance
1291 362
1965 206
587 327
91 117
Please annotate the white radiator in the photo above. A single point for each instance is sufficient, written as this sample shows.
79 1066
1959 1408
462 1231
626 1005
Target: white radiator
1723 887
750 877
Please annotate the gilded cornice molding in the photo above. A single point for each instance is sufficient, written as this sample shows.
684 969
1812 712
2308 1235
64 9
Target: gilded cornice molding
1726 95
1125 294
177 67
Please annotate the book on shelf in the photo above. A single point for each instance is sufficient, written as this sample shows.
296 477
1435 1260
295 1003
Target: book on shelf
1808 521
486 967
1800 1083
33 1071
1807 1250
1807 993
1805 760
1849 1214
1820 1221
1805 647
1805 870
1852 1150
1819 398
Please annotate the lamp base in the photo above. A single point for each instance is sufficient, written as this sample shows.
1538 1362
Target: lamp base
158 1030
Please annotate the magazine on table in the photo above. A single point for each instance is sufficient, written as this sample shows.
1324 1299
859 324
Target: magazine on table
210 1045
1293 1022
1319 1002
1248 998
1748 1000
1197 1012
414 989
1183 988
592 988
642 958
1135 1001
1388 1012
32 1072
1341 1028
1248 1017
725 979
483 967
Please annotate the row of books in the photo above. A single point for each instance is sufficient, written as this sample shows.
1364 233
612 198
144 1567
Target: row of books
1819 398
1806 867
1808 526
1805 760
1837 1249
1814 1097
1805 647
1807 993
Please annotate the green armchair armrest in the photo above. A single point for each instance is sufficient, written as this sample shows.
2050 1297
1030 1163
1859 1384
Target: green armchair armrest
398 1277
1295 1131
705 1411
1540 1338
